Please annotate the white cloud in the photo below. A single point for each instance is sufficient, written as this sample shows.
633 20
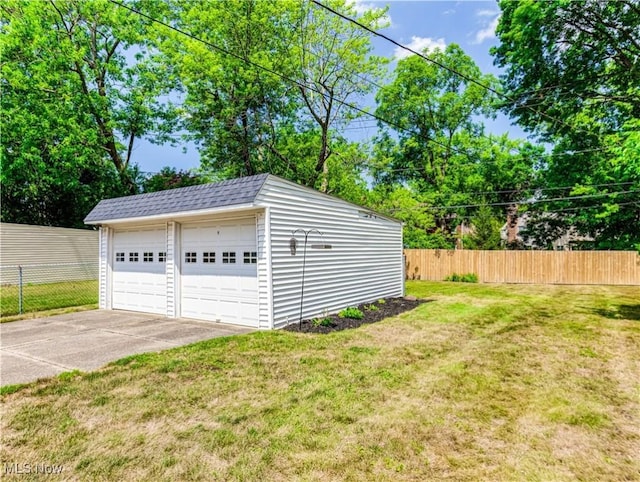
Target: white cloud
489 31
419 44
487 13
362 6
450 11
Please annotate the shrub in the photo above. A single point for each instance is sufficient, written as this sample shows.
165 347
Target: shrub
321 321
463 278
351 312
371 307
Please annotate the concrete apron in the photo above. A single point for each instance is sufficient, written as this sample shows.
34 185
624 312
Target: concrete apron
44 347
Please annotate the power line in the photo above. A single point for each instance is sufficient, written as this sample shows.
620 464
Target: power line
273 72
495 161
579 208
535 201
301 84
526 202
439 64
589 207
508 191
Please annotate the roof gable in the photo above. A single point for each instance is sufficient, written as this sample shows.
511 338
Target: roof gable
242 190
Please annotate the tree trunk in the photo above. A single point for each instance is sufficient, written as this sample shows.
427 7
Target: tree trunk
512 223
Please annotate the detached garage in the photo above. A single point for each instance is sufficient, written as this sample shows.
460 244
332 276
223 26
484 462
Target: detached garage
235 252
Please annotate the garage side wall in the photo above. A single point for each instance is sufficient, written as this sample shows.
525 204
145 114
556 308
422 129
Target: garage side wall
364 264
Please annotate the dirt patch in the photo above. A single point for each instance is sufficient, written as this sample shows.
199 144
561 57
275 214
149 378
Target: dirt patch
372 313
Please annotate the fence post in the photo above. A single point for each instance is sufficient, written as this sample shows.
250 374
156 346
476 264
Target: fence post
20 289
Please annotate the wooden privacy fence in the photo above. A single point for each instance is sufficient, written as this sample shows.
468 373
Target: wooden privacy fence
544 267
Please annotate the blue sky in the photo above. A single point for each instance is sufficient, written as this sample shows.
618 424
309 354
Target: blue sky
417 24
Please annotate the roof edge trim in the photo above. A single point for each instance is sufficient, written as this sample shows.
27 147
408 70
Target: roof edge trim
178 215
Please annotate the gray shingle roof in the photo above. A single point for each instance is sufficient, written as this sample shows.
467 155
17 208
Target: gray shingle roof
205 196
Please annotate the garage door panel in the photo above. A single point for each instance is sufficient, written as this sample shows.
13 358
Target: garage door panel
226 287
138 277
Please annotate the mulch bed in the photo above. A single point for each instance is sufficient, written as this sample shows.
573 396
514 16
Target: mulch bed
390 307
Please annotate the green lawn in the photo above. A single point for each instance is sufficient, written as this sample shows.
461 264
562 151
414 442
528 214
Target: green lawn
486 382
41 297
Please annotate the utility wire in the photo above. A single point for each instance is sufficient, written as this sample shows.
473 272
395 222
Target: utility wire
528 189
589 207
301 84
277 74
439 64
561 210
534 201
495 161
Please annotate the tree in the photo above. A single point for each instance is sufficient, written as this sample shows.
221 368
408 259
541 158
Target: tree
434 142
486 231
261 99
74 103
510 172
171 178
232 108
419 230
573 78
333 66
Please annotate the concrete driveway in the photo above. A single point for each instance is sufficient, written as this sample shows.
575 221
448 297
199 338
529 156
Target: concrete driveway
43 347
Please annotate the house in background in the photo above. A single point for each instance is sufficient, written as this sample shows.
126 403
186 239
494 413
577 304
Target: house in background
561 239
233 252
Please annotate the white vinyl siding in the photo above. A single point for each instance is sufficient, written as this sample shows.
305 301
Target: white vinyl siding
364 264
63 254
24 245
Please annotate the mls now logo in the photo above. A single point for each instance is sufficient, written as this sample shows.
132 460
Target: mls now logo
27 468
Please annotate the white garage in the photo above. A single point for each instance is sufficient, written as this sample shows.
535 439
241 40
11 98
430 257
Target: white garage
235 252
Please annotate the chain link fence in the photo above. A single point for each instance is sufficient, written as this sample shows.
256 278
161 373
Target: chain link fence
40 287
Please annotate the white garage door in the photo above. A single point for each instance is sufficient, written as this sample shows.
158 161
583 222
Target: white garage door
139 279
219 272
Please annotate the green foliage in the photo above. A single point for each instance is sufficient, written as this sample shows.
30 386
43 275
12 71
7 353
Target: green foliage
573 72
463 278
170 178
441 155
246 120
231 108
405 204
371 307
486 231
330 57
72 106
321 321
351 312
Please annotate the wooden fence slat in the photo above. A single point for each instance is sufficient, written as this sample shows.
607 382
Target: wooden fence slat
544 267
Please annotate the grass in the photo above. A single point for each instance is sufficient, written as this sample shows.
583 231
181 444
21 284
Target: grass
45 297
487 382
